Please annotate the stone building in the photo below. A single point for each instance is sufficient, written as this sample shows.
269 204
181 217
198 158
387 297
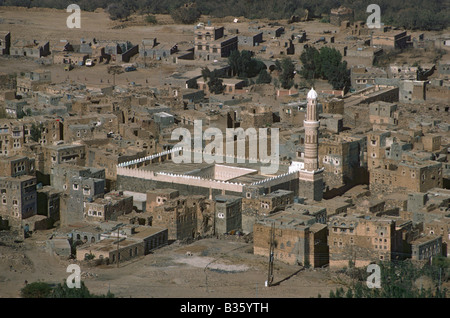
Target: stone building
33 81
158 197
426 247
15 166
390 39
80 191
257 116
341 14
131 242
228 214
267 204
153 50
363 240
184 217
5 42
18 197
48 203
411 176
440 227
33 48
211 43
383 113
342 160
110 207
362 76
298 238
63 153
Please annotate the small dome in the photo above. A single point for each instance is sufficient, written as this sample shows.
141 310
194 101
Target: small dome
312 94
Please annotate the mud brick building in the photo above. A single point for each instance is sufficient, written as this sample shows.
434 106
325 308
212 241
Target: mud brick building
298 238
363 240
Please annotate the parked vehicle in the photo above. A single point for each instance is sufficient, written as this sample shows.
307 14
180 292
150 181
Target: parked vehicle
130 69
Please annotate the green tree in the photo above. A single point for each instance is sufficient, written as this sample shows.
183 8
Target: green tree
118 11
264 77
311 67
326 64
151 19
63 291
243 65
214 82
187 14
36 290
287 74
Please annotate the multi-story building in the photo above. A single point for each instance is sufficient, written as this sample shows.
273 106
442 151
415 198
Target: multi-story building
80 191
15 166
383 113
362 240
418 176
63 153
298 238
426 247
18 197
228 214
211 43
5 42
33 81
108 208
362 77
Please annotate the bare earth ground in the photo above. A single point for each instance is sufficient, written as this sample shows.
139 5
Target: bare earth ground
208 268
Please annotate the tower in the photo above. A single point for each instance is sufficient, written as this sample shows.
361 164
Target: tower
311 177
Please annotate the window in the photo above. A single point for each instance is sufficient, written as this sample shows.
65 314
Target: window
75 186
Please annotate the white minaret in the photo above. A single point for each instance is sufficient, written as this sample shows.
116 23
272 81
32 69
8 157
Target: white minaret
311 177
311 124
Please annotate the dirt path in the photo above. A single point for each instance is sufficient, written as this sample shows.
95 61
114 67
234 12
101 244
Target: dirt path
205 268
